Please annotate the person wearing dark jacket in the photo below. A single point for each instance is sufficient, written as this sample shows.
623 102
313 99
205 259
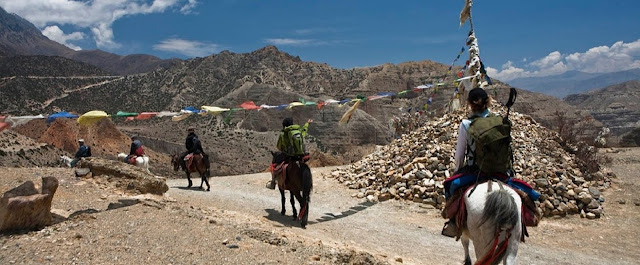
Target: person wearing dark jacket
136 148
83 151
193 146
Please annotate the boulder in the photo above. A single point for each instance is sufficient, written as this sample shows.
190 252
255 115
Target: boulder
24 207
125 176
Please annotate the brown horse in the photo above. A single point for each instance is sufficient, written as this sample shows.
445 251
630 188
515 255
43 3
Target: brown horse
298 182
197 165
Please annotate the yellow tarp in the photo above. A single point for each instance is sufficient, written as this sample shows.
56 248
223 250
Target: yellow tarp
92 117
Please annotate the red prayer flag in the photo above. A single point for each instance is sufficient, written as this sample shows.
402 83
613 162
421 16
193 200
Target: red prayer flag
249 105
146 115
4 125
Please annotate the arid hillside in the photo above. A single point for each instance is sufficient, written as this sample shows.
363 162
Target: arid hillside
615 106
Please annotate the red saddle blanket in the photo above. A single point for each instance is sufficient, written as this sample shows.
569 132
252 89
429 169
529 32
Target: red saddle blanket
189 159
280 171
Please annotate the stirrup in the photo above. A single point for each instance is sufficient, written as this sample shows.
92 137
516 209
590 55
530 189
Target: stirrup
271 185
449 229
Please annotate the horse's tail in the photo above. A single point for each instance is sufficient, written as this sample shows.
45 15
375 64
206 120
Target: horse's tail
307 181
501 209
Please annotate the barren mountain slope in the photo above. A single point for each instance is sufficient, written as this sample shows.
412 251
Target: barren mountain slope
616 106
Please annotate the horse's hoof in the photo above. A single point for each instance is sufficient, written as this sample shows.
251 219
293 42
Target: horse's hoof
282 213
304 226
208 189
295 217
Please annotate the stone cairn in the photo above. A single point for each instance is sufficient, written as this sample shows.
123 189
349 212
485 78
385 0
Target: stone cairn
415 166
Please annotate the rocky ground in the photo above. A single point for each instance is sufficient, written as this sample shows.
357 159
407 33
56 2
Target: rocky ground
238 222
415 166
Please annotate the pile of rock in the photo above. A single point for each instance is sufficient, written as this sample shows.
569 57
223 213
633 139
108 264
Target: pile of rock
415 167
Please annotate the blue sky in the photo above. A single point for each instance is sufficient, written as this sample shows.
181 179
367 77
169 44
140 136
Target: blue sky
516 38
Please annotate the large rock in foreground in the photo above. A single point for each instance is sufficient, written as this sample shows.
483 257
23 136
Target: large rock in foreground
125 176
24 207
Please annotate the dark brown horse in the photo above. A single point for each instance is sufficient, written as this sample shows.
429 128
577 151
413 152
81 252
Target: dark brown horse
197 165
298 182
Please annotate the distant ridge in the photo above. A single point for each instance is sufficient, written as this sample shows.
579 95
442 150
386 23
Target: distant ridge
616 106
19 37
574 82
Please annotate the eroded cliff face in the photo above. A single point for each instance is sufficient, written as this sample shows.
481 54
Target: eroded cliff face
616 106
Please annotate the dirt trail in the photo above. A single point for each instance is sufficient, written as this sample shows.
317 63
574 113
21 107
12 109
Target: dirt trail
411 231
67 92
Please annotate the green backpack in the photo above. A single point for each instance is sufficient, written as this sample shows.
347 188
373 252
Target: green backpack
492 139
295 142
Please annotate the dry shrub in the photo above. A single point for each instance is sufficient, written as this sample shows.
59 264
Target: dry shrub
578 136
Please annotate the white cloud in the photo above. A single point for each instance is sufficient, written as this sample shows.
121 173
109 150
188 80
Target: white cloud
189 7
187 47
291 42
97 15
56 34
602 59
303 42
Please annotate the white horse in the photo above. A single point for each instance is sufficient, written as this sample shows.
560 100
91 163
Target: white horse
141 161
493 224
65 160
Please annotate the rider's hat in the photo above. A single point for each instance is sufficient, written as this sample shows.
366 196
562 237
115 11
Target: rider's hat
134 137
81 140
191 129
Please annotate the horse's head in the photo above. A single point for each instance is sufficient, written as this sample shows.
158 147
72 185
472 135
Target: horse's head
174 162
65 160
277 157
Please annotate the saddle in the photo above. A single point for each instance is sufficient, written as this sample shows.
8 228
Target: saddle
456 208
189 161
280 173
132 159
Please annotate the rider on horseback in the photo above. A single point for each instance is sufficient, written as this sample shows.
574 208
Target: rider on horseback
83 151
484 152
136 150
291 142
193 146
478 102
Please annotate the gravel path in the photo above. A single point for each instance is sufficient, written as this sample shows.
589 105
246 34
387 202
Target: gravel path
392 229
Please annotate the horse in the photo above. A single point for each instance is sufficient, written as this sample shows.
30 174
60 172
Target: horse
298 182
197 165
65 160
141 161
493 223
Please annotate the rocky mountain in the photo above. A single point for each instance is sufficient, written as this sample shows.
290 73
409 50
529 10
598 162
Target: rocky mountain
19 37
616 106
267 76
46 66
119 64
574 82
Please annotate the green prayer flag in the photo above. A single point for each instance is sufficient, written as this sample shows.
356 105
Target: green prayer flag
126 114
